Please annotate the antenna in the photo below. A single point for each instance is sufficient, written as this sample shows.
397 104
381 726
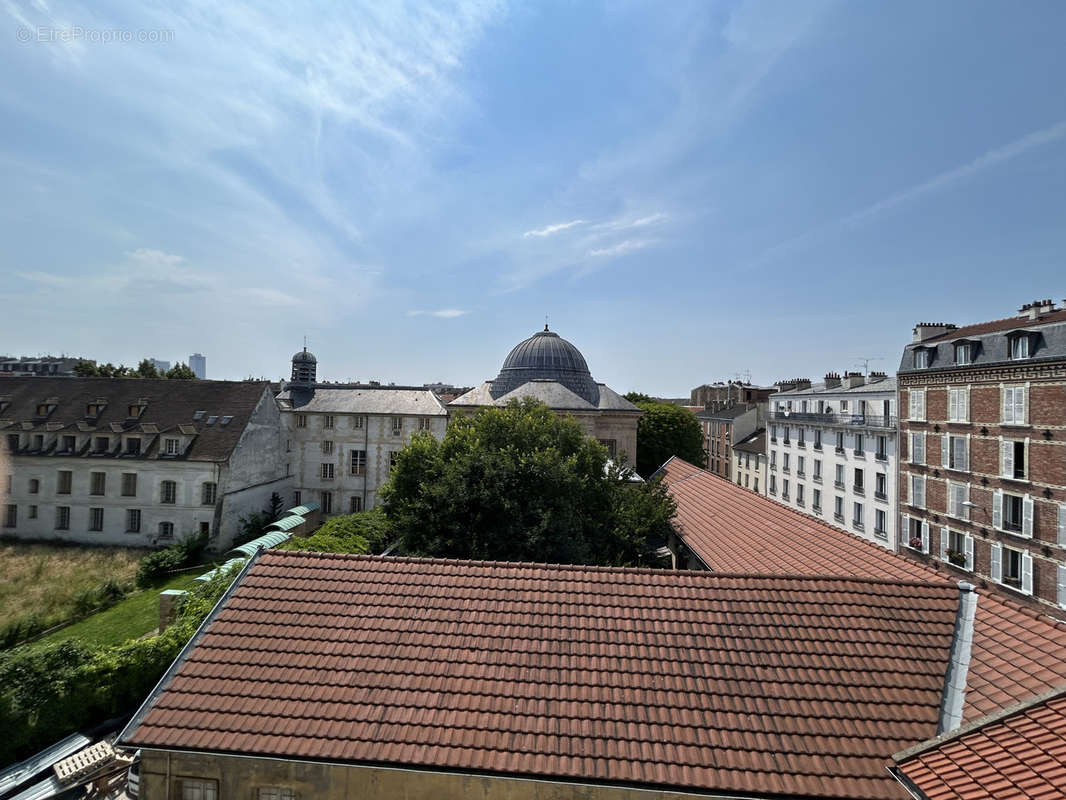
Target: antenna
745 374
866 362
545 322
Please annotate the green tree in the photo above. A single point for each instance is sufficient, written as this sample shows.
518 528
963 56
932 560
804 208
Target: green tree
637 397
181 372
86 369
364 532
146 369
521 484
666 430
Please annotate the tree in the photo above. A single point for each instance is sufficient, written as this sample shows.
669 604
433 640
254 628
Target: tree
637 397
180 372
364 532
86 369
274 508
146 369
522 484
666 430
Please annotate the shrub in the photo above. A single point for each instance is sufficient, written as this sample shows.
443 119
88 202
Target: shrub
184 553
365 532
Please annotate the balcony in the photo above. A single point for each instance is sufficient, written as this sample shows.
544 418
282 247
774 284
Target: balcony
847 420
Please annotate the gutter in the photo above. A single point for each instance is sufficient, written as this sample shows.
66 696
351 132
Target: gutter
954 694
141 712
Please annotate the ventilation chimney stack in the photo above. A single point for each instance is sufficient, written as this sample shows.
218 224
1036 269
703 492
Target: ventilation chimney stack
832 380
853 379
1036 308
876 377
927 330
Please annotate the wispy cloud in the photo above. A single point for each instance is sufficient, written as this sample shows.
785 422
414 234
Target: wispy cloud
443 313
622 248
624 224
550 229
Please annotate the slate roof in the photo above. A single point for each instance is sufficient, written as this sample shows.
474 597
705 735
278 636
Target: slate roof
552 393
1017 652
730 413
1018 754
754 685
171 403
363 400
884 385
1000 326
755 443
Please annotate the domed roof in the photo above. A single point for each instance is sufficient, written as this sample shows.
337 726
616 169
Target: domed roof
303 357
546 356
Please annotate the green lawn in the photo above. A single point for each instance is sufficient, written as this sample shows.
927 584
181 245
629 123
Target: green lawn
135 616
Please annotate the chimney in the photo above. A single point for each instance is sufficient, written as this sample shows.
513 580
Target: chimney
853 379
954 691
875 377
927 330
832 380
1036 308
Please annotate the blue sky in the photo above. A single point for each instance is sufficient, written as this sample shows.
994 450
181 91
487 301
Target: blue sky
689 190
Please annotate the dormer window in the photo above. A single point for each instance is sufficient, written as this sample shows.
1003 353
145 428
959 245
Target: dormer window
134 411
921 358
42 410
1020 346
102 444
69 443
133 446
171 447
963 353
95 409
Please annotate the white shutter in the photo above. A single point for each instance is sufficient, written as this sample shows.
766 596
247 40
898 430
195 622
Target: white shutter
1062 524
966 454
1062 586
905 522
1027 573
925 536
921 404
912 400
1007 413
943 544
965 411
1027 516
968 544
997 510
1022 416
945 451
953 405
964 497
1006 458
1026 472
997 563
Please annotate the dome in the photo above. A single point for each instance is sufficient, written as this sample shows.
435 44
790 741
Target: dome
303 357
546 356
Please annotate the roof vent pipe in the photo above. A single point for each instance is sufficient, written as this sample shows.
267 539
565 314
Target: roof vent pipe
953 698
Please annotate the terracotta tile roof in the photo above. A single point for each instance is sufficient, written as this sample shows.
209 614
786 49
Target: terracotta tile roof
997 325
1017 652
748 684
1020 753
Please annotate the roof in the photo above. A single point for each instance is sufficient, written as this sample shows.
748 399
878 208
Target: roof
363 400
1018 753
755 443
547 356
552 393
886 385
732 412
1000 326
17 774
287 523
170 404
1017 652
757 685
267 540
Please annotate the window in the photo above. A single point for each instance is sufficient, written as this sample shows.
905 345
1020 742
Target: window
958 405
358 462
817 469
207 493
916 401
102 444
423 423
97 482
917 532
1012 567
785 466
955 452
35 486
166 530
11 517
773 433
838 508
62 518
881 486
773 484
843 405
1013 513
196 789
956 548
921 358
13 442
133 520
800 461
33 512
611 445
773 459
784 489
879 523
96 519
1015 405
129 484
327 502
817 439
296 498
327 448
355 505
1013 459
1019 346
357 423
840 442
64 479
859 445
799 494
168 492
786 440
170 447
958 497
838 479
276 793
856 520
327 421
917 491
801 437
860 481
327 472
882 448
755 486
816 499
397 426
38 441
917 448
69 443
962 353
301 420
133 446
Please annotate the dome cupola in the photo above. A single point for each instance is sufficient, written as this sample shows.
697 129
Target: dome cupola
304 369
546 356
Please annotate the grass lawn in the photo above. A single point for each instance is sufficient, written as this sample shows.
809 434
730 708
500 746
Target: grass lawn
44 579
133 617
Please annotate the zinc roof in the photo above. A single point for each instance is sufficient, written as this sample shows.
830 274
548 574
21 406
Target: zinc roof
760 685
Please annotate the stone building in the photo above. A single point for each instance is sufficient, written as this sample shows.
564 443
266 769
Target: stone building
983 461
139 463
550 369
749 462
340 439
722 428
727 393
832 452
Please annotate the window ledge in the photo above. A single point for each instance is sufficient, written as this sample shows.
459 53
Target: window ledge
1013 588
1026 481
1015 425
951 563
1016 534
880 534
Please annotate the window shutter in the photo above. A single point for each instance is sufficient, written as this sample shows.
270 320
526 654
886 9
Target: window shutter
1021 404
1027 472
997 510
1006 458
965 404
996 567
925 536
921 405
943 544
968 544
1027 516
912 400
1062 586
1027 573
945 447
1006 413
966 453
1062 524
964 497
953 404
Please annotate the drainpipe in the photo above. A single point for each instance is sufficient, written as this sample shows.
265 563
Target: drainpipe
366 455
954 694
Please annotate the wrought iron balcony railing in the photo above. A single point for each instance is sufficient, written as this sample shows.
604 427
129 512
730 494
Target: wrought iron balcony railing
849 420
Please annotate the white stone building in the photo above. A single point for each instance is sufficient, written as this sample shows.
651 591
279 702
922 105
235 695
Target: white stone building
134 462
832 453
340 439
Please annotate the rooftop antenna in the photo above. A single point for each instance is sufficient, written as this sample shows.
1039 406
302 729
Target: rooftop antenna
545 322
746 375
866 362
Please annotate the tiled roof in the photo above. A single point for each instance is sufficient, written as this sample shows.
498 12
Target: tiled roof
1019 754
758 685
170 403
1017 652
755 443
999 325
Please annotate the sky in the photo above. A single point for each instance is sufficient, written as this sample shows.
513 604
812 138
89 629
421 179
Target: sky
688 192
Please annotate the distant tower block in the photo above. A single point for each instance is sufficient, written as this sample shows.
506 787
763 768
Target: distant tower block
304 369
198 365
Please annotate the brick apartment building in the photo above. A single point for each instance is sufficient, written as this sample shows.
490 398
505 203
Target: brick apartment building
983 450
724 427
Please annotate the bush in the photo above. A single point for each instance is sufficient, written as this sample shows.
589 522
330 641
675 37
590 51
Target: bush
184 553
365 532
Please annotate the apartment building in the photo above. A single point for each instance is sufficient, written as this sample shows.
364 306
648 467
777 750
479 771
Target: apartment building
983 440
832 452
723 394
724 427
749 462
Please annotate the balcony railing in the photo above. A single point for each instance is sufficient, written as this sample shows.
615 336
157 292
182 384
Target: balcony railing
850 420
